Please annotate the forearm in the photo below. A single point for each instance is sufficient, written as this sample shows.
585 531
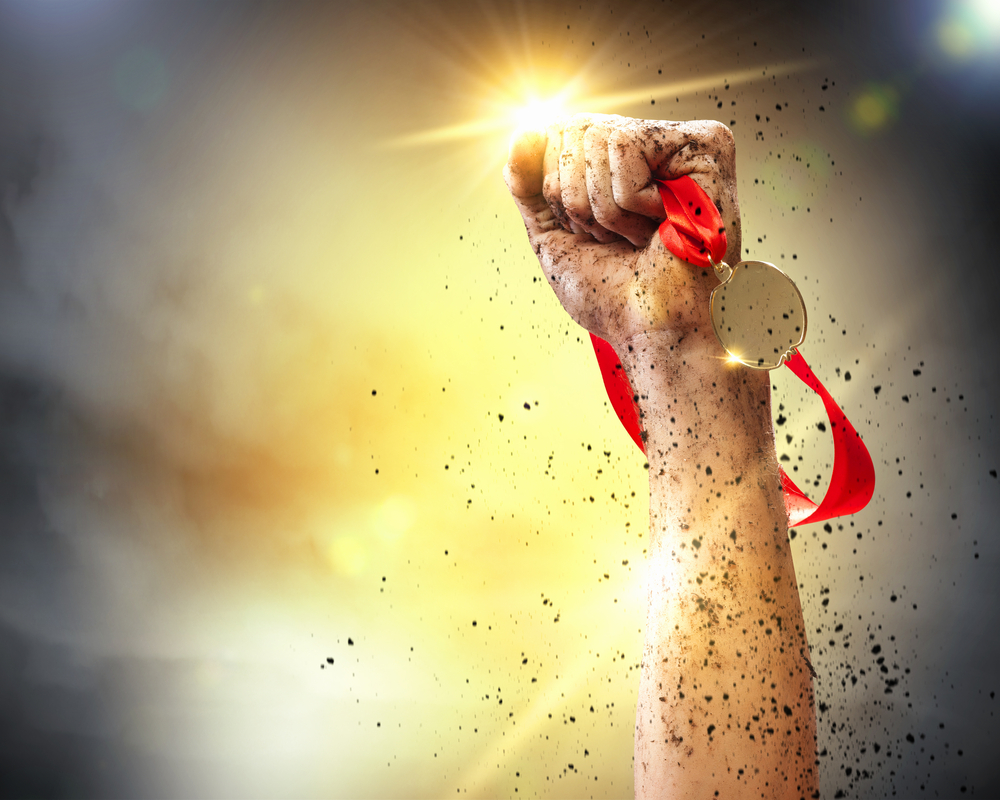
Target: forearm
725 700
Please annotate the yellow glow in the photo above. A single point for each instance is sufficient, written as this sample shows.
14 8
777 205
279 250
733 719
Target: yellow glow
569 101
347 555
394 517
538 113
734 359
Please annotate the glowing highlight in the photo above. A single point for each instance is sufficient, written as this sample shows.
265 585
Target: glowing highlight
524 115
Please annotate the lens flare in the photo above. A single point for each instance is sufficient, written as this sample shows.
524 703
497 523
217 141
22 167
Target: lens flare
969 29
875 108
572 99
956 38
987 13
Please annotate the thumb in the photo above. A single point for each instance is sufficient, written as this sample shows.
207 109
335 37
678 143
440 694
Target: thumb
524 170
524 176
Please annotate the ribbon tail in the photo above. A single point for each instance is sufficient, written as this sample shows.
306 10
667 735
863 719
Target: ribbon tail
619 390
853 481
797 505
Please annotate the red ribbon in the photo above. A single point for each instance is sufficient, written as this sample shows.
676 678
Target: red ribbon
693 229
693 223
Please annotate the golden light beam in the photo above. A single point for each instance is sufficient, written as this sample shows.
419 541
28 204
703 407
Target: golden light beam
607 102
698 84
465 130
503 748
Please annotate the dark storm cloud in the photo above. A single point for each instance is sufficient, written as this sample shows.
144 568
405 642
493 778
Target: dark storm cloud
38 757
60 735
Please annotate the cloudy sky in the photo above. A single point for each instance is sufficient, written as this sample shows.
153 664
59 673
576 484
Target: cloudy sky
308 486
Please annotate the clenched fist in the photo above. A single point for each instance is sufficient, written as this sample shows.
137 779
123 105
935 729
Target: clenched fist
585 188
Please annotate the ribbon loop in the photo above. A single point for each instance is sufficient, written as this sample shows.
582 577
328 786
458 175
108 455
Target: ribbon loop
693 229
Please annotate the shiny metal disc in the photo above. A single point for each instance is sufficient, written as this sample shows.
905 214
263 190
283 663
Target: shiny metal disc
758 315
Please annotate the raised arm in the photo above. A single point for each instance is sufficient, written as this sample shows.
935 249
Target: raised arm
725 704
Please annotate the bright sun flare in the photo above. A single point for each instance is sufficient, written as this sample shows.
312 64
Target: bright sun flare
537 113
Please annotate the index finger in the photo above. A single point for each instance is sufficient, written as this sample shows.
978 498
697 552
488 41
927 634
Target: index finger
637 154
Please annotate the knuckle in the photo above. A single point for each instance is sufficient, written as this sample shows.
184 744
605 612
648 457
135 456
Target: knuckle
574 190
606 214
550 187
624 188
616 137
593 138
727 142
580 212
719 137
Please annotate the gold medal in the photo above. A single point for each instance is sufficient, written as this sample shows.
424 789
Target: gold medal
758 313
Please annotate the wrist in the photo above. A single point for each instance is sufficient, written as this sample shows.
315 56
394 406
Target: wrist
708 436
692 400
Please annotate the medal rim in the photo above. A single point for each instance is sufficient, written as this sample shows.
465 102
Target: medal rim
805 317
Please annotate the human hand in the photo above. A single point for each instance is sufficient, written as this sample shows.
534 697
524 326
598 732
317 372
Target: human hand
585 188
